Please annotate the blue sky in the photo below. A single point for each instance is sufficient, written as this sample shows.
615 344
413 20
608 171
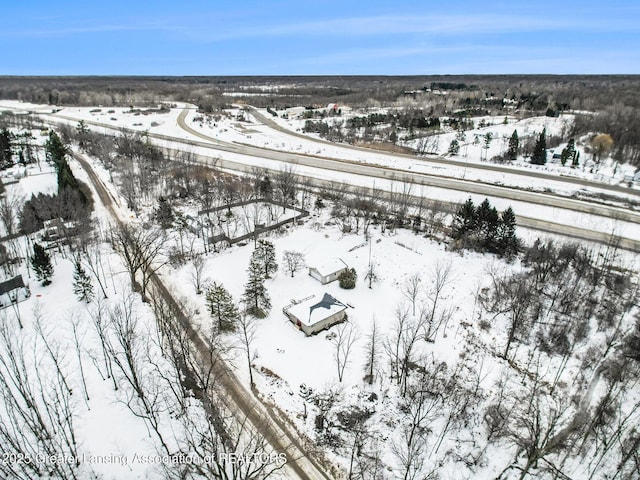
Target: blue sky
308 37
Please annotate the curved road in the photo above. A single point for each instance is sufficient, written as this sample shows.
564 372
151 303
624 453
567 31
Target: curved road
377 171
403 175
450 161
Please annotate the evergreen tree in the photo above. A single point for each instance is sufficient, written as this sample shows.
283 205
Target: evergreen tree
507 242
221 307
82 286
6 154
465 219
539 156
41 263
255 296
568 152
265 187
82 133
66 179
164 213
56 151
488 221
347 279
265 255
514 146
454 147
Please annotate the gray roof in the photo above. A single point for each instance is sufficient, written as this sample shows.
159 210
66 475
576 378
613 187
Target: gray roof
327 302
11 284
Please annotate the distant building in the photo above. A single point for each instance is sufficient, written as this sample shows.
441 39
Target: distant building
57 229
12 291
312 315
294 112
328 271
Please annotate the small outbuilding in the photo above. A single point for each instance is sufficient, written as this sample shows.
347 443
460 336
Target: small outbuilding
329 271
312 315
13 291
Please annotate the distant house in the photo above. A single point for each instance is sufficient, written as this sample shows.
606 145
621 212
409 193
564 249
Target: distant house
294 112
312 315
13 291
53 229
328 271
57 228
632 178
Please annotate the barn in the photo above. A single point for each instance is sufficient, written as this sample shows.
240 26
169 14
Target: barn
312 314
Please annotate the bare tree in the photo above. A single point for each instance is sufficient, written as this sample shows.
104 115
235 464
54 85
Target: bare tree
441 277
142 251
37 412
287 184
372 353
10 205
411 290
421 406
293 261
128 349
247 332
512 296
197 272
346 336
400 345
372 274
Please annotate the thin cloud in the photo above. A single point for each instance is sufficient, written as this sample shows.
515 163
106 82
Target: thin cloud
420 24
79 30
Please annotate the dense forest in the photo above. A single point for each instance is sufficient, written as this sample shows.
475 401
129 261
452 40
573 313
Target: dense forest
603 103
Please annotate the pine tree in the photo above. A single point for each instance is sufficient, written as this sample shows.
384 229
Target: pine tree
347 279
465 220
454 147
41 262
221 307
488 221
6 154
265 255
164 213
514 146
265 187
82 286
255 296
539 156
568 152
507 242
56 151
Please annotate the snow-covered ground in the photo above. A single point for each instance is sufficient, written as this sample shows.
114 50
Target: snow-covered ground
287 365
239 126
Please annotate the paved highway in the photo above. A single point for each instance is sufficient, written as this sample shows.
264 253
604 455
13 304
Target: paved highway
402 175
396 174
458 163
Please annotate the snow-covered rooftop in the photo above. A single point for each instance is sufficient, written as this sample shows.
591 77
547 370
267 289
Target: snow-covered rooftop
329 266
312 310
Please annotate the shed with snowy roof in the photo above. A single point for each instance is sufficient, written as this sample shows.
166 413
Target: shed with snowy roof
328 271
313 314
13 290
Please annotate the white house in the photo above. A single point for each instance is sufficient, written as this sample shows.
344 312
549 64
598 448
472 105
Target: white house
328 271
12 291
312 315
